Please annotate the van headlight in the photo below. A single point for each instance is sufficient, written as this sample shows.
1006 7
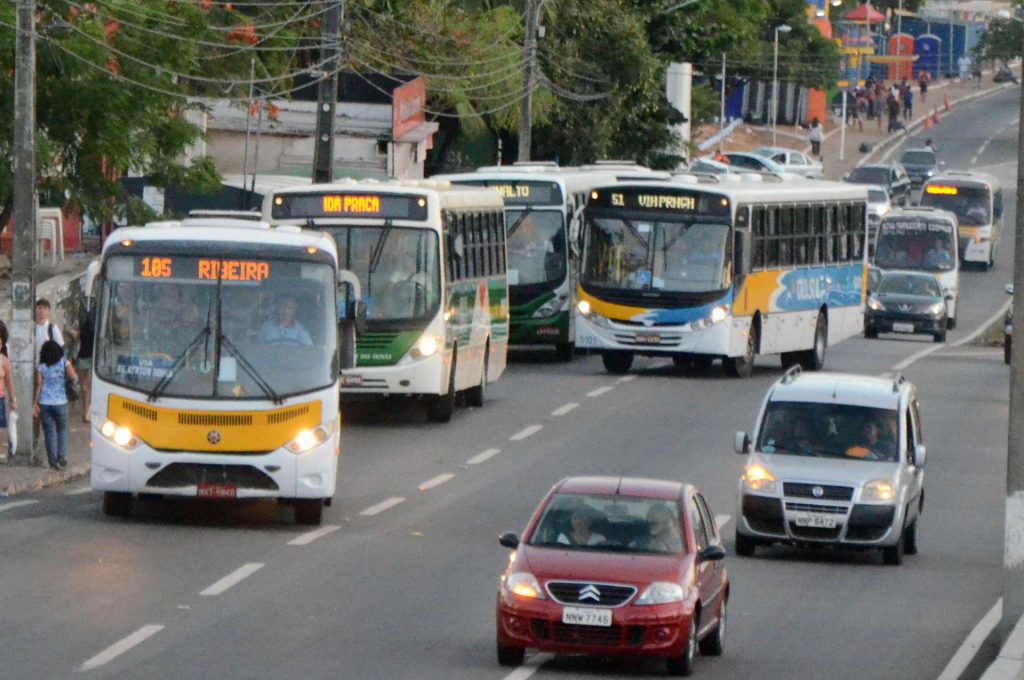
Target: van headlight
875 305
878 490
661 592
307 439
757 478
426 346
119 434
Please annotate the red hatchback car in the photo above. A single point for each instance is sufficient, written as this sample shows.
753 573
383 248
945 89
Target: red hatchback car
616 566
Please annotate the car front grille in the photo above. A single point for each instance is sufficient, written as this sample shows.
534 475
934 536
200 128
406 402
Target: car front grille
178 475
810 507
598 636
828 492
608 594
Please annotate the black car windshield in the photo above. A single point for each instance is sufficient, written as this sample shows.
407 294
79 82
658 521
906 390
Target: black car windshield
900 284
536 246
869 175
913 244
918 158
619 524
662 256
830 430
972 205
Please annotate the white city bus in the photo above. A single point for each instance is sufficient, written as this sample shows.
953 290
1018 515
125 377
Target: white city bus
976 198
216 365
430 258
724 267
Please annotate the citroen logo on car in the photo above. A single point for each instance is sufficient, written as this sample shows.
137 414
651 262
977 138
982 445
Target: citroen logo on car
591 592
817 492
213 436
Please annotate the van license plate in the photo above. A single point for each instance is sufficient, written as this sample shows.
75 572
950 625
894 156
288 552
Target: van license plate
815 520
216 491
587 616
903 328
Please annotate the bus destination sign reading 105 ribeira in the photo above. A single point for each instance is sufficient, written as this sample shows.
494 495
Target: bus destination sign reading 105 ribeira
202 269
335 204
648 199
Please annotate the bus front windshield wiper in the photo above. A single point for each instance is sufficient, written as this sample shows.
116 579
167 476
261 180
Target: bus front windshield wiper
519 220
159 388
378 248
250 369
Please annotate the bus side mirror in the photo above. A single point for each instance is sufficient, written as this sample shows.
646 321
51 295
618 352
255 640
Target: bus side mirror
92 274
741 250
355 311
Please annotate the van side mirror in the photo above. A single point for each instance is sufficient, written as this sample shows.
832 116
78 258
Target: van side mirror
741 252
741 443
920 453
509 539
1009 289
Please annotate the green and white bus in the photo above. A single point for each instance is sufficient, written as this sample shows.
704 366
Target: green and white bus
431 263
542 207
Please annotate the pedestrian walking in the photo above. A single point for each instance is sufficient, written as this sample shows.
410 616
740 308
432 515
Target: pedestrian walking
893 106
923 78
51 401
45 330
908 102
879 104
976 74
815 137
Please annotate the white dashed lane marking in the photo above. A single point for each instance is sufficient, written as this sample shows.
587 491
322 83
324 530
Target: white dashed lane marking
436 481
527 431
16 504
382 506
562 410
232 579
529 667
600 390
482 456
310 536
121 646
626 379
79 491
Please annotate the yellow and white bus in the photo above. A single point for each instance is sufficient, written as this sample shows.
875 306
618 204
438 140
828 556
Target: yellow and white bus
976 198
216 364
430 259
724 267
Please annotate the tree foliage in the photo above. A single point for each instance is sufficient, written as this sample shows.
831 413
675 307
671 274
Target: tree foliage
1002 41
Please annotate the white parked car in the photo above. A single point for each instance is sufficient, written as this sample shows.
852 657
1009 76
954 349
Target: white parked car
791 160
836 459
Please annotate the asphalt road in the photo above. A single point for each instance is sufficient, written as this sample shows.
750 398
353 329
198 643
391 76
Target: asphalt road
405 588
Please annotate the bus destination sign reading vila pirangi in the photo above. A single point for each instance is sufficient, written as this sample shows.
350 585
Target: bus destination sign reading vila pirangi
649 198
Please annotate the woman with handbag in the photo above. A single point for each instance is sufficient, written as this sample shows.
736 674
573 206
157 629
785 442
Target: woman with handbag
54 384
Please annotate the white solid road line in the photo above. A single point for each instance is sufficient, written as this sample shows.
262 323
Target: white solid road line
601 390
529 667
77 492
965 653
722 520
382 506
310 536
917 356
436 481
121 646
527 431
562 410
482 456
626 379
243 572
16 504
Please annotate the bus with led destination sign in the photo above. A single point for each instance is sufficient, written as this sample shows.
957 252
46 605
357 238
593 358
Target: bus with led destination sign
433 277
698 272
542 208
976 198
216 364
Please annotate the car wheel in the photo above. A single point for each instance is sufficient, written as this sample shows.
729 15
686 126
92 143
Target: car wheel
617 363
475 396
745 545
870 333
814 359
893 555
951 323
510 656
683 665
910 539
309 511
117 504
742 367
714 643
441 407
564 351
940 336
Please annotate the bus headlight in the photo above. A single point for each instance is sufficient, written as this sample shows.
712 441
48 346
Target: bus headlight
307 439
584 307
718 314
552 307
427 346
119 434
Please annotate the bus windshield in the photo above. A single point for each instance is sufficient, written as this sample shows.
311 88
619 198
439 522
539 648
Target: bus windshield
208 328
925 246
972 205
397 269
662 256
536 246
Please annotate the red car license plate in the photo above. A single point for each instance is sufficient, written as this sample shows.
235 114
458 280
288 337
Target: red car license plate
216 491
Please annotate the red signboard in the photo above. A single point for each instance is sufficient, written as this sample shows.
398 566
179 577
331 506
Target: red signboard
407 106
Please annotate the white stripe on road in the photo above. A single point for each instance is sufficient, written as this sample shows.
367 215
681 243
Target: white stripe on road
121 646
917 356
528 431
1008 664
482 456
310 536
722 520
601 390
238 575
562 410
436 481
16 504
974 159
626 379
79 491
965 653
382 506
529 667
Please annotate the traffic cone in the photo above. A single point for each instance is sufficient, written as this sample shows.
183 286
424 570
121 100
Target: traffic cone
935 116
947 102
928 123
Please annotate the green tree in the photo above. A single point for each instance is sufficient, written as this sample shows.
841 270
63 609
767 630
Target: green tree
1002 41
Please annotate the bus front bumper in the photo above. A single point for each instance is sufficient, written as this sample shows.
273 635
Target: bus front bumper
713 340
423 376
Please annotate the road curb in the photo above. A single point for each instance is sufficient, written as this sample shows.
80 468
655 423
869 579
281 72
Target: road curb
47 479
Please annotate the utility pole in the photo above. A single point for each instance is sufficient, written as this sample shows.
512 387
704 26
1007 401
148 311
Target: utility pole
529 57
21 346
330 44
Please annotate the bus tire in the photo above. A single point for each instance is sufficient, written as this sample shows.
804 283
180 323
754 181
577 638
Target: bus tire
441 407
617 363
309 511
117 504
814 359
742 367
475 396
564 351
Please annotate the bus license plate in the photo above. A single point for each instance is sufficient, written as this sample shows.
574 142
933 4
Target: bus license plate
587 616
216 491
815 520
648 339
353 380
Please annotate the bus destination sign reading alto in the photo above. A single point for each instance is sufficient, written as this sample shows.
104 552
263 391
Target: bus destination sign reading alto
647 198
523 192
202 269
340 204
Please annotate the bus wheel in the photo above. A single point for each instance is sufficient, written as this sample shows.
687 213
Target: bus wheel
814 359
617 362
475 395
309 511
564 351
440 407
742 367
117 504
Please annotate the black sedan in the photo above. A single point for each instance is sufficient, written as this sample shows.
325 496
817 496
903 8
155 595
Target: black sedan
921 165
892 176
906 302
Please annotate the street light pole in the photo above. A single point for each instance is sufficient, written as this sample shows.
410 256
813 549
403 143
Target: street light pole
775 78
533 8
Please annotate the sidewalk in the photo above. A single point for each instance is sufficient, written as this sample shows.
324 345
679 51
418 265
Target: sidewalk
18 476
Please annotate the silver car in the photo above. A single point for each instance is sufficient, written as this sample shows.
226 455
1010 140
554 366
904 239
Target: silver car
879 204
837 460
793 161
